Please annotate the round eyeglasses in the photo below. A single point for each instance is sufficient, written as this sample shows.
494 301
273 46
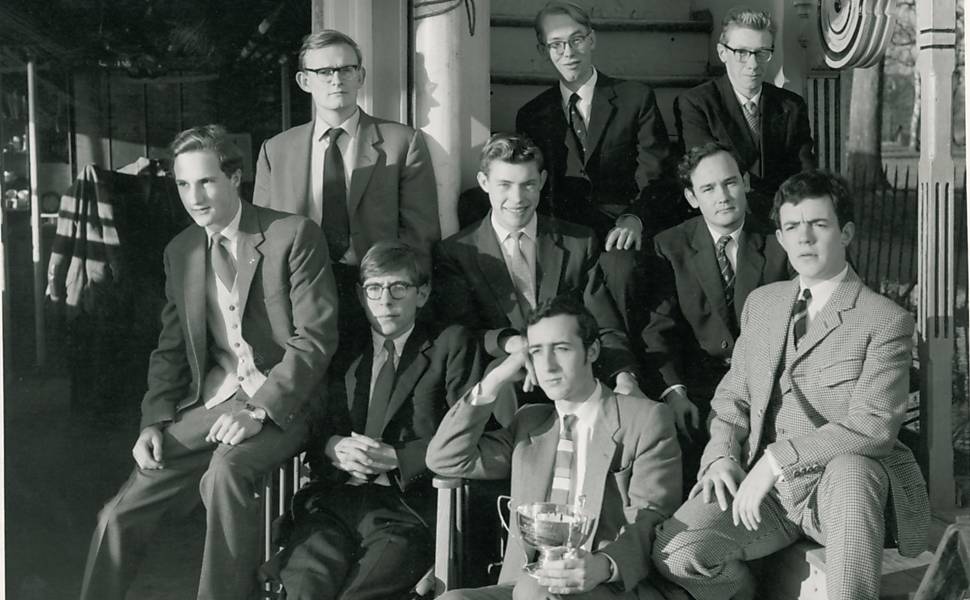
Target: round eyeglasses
397 289
578 42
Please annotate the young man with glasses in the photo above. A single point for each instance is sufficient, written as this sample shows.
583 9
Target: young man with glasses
363 179
765 127
362 528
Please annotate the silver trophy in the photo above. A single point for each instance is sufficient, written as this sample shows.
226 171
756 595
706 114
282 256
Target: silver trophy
556 531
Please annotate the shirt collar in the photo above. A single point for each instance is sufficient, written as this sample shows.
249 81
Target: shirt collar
822 291
744 100
585 411
231 230
735 235
349 125
399 341
585 91
529 230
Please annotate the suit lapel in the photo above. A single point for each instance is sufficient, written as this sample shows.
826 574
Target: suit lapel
601 112
491 262
830 317
193 286
599 457
773 118
248 255
539 456
549 257
706 270
368 151
297 169
750 263
778 322
414 362
736 124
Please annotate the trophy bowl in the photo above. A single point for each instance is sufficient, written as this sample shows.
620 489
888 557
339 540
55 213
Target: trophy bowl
556 531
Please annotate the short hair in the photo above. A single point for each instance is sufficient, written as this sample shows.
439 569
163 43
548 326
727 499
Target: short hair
694 156
567 304
573 11
389 256
740 16
328 37
815 184
512 148
213 138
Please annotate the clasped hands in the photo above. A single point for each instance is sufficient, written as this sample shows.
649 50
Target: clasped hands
230 428
575 574
361 456
724 476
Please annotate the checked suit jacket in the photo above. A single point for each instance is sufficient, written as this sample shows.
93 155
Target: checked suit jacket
851 375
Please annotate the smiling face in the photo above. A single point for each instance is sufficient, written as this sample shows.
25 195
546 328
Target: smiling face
718 191
563 367
336 96
209 196
386 315
746 75
513 191
575 65
811 236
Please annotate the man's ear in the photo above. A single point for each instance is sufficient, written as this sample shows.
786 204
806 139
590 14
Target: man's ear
236 178
691 198
542 178
722 52
302 81
424 292
362 73
482 181
848 232
593 352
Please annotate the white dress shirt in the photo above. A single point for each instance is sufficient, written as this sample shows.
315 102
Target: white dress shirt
732 247
585 103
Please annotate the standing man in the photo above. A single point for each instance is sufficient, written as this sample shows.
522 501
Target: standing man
490 275
699 275
765 127
804 434
362 178
618 451
603 138
247 333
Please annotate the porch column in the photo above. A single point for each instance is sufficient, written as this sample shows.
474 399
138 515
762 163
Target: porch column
451 94
936 23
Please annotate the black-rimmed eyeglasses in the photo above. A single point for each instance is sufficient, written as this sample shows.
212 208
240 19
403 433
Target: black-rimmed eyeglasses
328 72
761 55
397 289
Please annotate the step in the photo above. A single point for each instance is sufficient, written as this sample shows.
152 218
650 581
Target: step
630 9
798 573
627 48
511 91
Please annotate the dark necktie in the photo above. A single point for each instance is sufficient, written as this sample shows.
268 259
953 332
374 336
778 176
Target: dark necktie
223 264
562 476
577 124
727 271
336 223
381 395
752 115
800 316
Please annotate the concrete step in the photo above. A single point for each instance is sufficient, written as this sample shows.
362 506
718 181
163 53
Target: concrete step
628 48
510 91
629 9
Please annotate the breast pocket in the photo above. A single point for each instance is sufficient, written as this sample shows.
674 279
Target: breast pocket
840 372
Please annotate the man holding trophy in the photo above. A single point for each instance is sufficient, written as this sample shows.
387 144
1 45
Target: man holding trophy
606 462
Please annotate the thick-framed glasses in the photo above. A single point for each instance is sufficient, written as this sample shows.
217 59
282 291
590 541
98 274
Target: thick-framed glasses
397 289
578 43
761 55
328 72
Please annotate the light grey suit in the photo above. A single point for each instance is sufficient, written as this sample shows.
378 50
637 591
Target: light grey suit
830 413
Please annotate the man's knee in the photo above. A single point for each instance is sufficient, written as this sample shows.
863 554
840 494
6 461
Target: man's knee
227 477
853 475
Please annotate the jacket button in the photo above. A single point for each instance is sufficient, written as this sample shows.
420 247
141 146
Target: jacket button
724 344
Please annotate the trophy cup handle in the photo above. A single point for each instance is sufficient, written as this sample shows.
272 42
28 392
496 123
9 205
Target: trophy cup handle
501 515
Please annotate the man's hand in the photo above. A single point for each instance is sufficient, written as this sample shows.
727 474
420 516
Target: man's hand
626 383
234 428
754 488
627 234
148 448
721 478
683 409
512 368
574 575
361 456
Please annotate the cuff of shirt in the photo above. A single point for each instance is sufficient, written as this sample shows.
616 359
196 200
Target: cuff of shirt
774 465
614 570
477 398
631 215
676 386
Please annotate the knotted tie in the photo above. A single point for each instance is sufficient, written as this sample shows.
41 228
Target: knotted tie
753 116
519 268
381 396
562 476
577 124
223 264
800 316
727 271
336 223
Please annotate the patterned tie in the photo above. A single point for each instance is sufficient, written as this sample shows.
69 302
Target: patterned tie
223 263
727 271
577 124
381 396
562 476
753 116
800 315
519 268
336 223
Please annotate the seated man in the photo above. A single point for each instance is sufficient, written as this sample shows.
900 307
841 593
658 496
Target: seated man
248 331
361 528
490 275
699 275
804 434
617 451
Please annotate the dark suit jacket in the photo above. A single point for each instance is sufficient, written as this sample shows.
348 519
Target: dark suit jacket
632 480
392 192
473 286
689 320
288 305
711 112
628 146
433 373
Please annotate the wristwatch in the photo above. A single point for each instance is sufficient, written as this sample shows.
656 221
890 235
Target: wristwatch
256 413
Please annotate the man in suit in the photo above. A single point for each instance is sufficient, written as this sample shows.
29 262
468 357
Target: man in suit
491 274
362 528
618 452
766 127
375 182
804 434
603 138
698 276
247 333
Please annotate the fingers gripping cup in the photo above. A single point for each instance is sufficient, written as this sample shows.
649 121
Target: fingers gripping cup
555 531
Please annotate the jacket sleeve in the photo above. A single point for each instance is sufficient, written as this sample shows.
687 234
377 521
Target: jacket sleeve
460 448
691 122
615 354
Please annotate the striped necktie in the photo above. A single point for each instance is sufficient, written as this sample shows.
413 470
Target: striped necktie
800 316
577 124
727 271
223 263
753 116
562 477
